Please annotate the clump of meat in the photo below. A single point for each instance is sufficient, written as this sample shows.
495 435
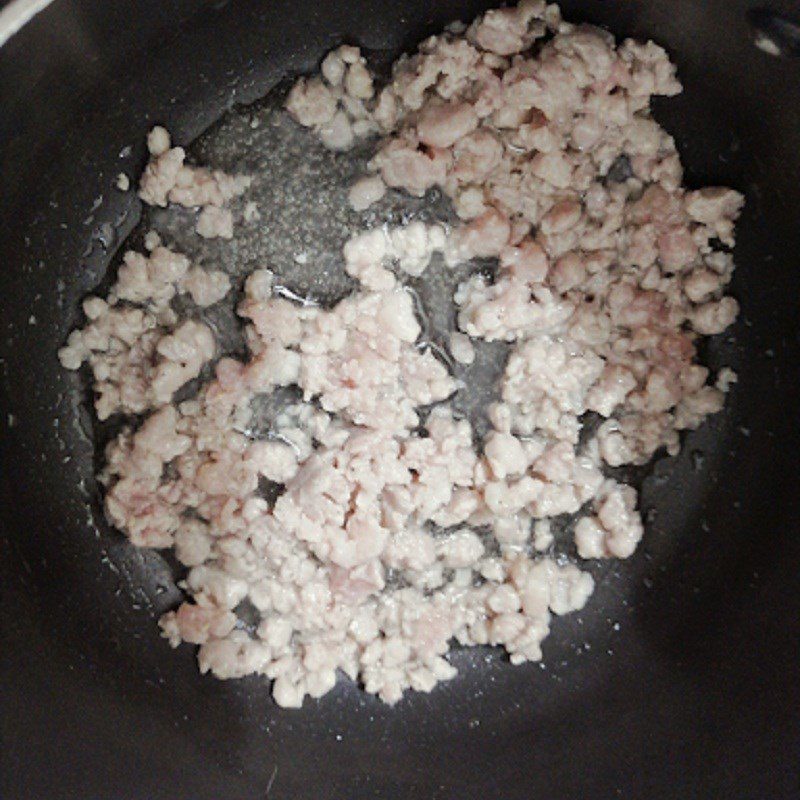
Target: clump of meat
558 170
168 179
394 532
138 350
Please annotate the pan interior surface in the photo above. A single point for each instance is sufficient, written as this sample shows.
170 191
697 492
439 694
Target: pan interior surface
680 678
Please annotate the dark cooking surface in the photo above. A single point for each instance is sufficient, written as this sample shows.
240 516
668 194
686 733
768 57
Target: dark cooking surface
695 693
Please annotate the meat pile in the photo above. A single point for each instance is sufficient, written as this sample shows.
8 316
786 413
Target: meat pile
395 532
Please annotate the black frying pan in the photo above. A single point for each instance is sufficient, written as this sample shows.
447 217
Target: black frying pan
679 680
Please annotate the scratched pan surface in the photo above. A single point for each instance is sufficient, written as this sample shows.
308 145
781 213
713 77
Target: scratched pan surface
680 678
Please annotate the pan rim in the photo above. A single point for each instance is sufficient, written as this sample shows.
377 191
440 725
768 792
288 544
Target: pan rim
17 14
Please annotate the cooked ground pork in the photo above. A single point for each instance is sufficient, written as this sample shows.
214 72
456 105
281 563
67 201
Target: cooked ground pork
395 532
167 179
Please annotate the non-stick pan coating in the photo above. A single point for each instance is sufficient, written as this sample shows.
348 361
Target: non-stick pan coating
679 680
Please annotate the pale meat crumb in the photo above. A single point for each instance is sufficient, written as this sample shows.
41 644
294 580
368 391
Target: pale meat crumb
394 532
461 348
158 141
726 378
167 179
160 176
151 240
337 133
206 287
366 191
311 103
542 534
616 528
215 223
